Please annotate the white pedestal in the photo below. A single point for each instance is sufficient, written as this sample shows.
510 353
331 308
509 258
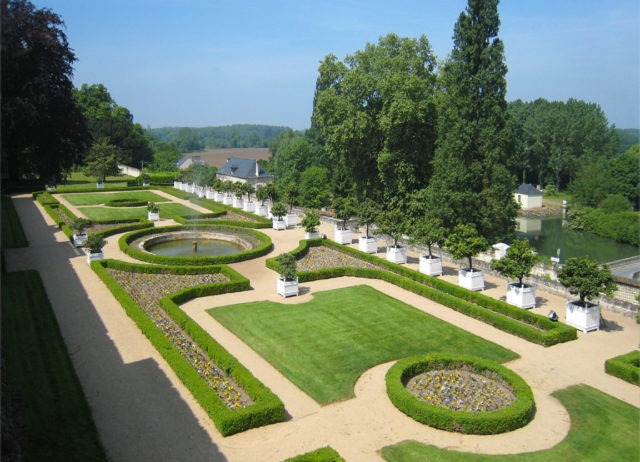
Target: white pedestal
99 185
472 280
397 254
219 196
200 192
584 318
177 184
430 266
249 207
210 194
146 184
50 188
279 224
94 256
287 288
261 210
227 200
238 203
183 186
522 297
153 216
79 239
342 236
368 244
291 219
313 235
191 188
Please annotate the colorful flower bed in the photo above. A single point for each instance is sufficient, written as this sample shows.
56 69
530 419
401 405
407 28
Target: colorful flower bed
461 390
321 257
146 289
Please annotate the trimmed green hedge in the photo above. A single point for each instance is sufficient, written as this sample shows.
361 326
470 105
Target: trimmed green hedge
530 326
514 416
326 454
625 367
258 221
125 203
268 408
12 233
259 251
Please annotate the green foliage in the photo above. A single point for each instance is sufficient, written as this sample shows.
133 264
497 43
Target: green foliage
102 160
80 224
125 202
288 266
310 221
261 194
229 136
518 262
514 416
267 408
465 242
550 190
278 210
625 367
12 232
314 188
48 406
427 231
95 242
621 226
584 277
615 203
392 223
290 195
292 156
326 454
343 209
624 174
367 211
152 207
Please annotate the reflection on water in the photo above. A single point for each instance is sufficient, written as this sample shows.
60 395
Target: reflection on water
184 248
548 234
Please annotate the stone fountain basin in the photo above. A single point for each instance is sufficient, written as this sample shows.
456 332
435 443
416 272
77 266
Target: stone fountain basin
147 243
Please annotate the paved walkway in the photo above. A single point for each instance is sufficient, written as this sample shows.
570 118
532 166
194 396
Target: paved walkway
143 412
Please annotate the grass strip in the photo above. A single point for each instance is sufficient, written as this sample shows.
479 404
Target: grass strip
101 198
51 419
326 454
167 210
324 345
12 232
602 428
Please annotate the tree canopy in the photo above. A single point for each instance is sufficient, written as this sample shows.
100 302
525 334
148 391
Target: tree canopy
584 277
518 262
43 132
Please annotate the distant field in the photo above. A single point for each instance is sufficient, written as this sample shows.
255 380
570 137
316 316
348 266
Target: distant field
218 157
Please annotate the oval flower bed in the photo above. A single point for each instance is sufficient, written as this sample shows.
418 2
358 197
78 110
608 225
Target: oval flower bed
460 393
125 202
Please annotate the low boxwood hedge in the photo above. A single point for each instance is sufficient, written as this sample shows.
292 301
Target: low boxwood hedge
268 408
125 203
625 367
514 416
326 454
259 251
530 326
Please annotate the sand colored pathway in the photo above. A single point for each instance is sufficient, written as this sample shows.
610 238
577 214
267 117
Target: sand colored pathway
143 412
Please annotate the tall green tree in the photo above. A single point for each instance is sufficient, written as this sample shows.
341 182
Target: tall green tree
102 160
470 182
43 132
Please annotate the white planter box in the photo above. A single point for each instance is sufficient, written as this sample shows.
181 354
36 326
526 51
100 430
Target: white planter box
227 200
50 188
342 236
368 244
522 297
94 256
219 196
584 318
153 216
210 194
291 219
261 210
287 288
249 207
472 280
397 254
313 235
79 239
183 186
177 184
279 224
430 266
146 184
99 185
191 188
200 192
238 203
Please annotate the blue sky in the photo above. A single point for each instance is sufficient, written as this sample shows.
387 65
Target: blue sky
218 62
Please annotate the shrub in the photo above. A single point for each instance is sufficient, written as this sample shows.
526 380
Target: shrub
465 242
326 454
310 222
625 367
125 203
95 243
288 266
584 277
514 416
615 203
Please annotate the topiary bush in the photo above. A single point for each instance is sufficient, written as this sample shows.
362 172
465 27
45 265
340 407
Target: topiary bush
514 416
125 202
625 367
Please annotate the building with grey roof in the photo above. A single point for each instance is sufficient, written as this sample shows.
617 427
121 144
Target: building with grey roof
245 171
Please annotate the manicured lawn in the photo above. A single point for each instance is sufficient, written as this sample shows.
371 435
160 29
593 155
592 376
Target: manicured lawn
323 346
12 232
326 454
602 428
100 198
78 180
49 418
169 210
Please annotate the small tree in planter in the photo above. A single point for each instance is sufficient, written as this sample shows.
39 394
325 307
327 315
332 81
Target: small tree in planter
153 213
343 210
518 262
287 284
465 242
367 215
238 191
95 243
428 231
78 226
290 196
278 211
310 222
393 223
584 277
262 196
144 179
248 189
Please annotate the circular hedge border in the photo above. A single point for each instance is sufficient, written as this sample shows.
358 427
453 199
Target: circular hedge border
125 202
517 415
262 249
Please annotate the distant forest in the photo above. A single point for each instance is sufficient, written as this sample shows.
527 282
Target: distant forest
628 137
189 139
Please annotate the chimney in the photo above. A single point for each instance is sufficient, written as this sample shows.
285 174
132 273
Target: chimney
257 169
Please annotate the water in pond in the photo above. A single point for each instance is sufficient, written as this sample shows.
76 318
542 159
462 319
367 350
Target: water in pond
548 235
184 248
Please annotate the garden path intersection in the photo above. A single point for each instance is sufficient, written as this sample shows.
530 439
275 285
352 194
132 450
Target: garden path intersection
143 412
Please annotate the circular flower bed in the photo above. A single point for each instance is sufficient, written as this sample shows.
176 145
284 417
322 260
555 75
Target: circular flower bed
460 393
125 202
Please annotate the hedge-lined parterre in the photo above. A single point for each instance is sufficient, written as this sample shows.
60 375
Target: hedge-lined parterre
625 367
125 202
510 417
